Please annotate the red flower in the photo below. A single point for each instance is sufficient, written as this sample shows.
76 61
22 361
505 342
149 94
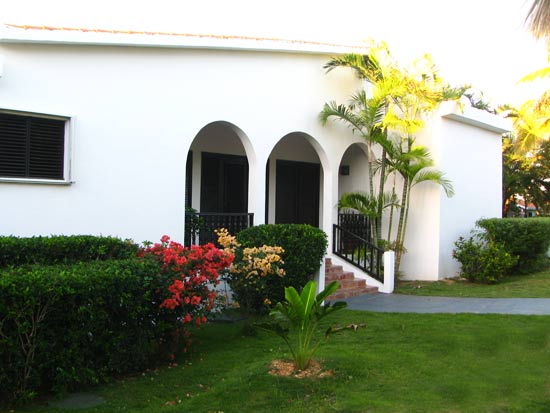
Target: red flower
193 271
169 303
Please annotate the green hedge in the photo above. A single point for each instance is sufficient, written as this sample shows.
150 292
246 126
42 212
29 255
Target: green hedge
64 326
62 249
304 246
527 238
483 262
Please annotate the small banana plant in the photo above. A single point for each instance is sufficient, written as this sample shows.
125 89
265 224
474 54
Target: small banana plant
296 320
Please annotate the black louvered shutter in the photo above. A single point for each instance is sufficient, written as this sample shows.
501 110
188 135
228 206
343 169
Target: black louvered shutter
46 152
13 146
31 147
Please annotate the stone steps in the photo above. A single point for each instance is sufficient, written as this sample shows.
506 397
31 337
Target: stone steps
349 285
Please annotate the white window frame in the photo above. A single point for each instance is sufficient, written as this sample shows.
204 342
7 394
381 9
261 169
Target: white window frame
67 152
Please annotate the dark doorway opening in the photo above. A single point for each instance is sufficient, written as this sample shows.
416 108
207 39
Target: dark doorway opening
224 183
297 193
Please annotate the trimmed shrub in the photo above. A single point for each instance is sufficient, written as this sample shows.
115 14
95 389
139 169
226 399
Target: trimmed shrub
61 249
304 248
527 238
64 326
483 262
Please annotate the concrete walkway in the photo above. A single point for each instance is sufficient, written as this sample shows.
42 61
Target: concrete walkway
397 303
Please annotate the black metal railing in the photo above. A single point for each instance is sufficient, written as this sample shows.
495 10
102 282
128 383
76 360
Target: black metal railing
358 251
200 226
358 224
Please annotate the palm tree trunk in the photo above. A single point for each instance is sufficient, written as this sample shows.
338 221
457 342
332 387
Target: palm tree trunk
373 223
381 193
400 225
390 221
403 235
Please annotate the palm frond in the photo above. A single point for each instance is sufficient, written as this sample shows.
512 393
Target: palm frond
531 123
342 113
537 74
361 64
367 204
433 175
361 202
538 18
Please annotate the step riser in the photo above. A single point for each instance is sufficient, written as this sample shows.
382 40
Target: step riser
341 296
341 276
349 285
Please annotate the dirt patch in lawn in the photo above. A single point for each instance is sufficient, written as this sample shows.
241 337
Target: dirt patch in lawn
287 368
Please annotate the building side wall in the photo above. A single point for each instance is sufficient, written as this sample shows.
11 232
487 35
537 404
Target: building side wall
472 158
135 113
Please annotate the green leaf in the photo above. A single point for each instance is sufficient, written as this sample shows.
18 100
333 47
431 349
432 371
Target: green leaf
329 289
295 304
308 299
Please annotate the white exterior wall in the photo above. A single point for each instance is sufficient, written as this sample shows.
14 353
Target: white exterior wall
472 157
136 111
466 146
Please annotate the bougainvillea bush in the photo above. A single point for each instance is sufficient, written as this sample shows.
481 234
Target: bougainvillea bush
300 250
191 274
252 272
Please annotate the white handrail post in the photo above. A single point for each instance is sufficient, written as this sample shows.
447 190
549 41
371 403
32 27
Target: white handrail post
320 276
389 273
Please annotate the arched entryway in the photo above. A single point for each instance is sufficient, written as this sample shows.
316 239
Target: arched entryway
294 182
217 183
353 171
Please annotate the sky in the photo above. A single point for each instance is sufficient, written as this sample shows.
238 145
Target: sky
483 43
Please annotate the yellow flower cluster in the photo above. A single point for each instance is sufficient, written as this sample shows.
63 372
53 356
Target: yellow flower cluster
226 240
262 261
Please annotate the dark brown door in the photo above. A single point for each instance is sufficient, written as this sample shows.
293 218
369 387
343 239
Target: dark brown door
297 193
224 183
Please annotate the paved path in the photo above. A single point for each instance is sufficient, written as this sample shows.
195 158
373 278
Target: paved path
397 303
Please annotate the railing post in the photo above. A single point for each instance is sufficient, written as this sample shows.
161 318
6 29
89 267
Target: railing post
320 276
389 274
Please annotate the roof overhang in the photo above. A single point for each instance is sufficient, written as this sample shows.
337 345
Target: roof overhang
476 117
12 33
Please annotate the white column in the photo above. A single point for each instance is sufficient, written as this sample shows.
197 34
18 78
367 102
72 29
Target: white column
389 274
256 189
320 277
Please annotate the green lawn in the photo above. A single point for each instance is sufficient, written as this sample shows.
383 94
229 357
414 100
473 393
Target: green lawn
524 286
398 363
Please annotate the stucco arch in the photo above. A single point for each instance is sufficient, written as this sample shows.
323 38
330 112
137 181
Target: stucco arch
353 174
297 150
219 167
238 132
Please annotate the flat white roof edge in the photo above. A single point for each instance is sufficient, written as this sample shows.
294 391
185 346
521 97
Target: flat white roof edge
12 34
476 117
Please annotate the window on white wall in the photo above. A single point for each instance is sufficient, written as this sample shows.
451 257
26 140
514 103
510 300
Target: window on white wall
32 147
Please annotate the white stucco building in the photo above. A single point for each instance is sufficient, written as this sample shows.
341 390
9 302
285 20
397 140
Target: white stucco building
139 124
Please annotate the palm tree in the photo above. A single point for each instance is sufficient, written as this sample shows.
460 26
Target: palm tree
531 123
415 166
532 120
399 101
363 114
538 19
366 114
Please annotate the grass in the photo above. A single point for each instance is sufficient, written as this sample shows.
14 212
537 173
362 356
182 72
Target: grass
399 363
522 286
